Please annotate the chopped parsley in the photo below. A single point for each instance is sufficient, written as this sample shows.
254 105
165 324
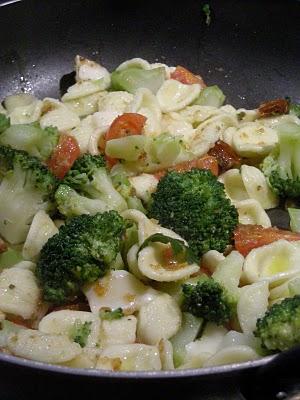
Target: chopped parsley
110 315
207 12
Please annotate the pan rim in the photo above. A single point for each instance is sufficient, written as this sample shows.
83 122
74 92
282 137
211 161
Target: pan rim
133 375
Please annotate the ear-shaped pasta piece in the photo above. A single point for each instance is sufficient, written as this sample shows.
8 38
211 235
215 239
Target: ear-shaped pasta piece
181 129
228 272
289 288
117 101
87 70
38 346
86 359
209 131
245 115
41 229
144 185
158 319
150 265
234 185
119 289
145 103
227 135
254 139
83 133
257 188
63 322
251 212
252 304
200 350
118 331
274 263
85 88
231 355
19 292
55 113
234 338
7 329
168 70
166 354
132 262
211 259
174 95
195 114
133 357
23 108
273 122
83 106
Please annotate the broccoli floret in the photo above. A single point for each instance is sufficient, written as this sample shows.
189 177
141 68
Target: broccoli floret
90 179
31 138
209 300
26 186
282 166
80 332
195 206
279 329
80 253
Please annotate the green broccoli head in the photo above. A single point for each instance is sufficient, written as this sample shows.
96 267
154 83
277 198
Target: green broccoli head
279 329
209 300
195 206
89 177
26 186
31 138
282 166
80 253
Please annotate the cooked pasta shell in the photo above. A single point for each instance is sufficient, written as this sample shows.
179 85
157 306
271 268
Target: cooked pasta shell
234 185
166 354
211 259
83 133
145 103
62 322
38 346
231 355
19 291
134 63
274 262
257 187
251 212
144 185
58 114
119 289
158 319
134 357
174 95
87 70
118 331
41 229
252 304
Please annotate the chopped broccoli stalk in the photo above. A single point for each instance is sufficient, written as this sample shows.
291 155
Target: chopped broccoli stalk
133 78
70 203
26 186
90 178
31 138
194 205
294 214
279 329
9 258
80 332
179 249
110 315
209 300
4 123
80 253
282 166
211 96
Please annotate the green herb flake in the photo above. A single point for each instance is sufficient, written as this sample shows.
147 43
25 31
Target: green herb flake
4 123
207 11
110 315
80 332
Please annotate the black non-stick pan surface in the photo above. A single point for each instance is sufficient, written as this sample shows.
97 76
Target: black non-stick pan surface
251 49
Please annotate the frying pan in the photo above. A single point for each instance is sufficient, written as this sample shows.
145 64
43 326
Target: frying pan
250 49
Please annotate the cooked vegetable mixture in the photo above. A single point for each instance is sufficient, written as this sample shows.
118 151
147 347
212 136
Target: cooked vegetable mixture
133 225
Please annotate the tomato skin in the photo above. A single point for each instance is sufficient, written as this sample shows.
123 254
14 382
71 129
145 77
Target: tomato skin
183 75
248 237
127 124
205 162
64 155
